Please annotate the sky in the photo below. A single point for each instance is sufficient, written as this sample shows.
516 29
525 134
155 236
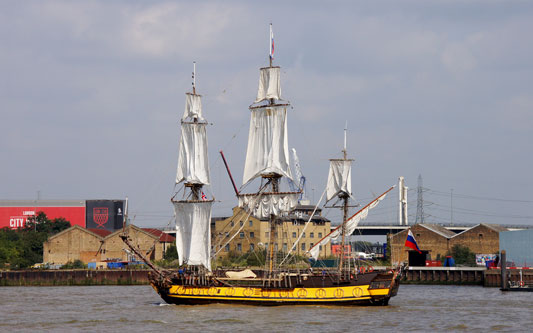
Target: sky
91 94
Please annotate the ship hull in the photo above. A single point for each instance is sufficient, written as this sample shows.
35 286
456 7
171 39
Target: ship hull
364 290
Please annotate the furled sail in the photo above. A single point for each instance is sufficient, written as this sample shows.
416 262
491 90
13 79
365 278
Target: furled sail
268 148
269 84
193 107
339 178
262 206
193 232
350 225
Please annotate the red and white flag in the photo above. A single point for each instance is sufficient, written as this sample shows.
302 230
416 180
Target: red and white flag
271 42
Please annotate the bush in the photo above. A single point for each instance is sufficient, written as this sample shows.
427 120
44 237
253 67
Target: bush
76 264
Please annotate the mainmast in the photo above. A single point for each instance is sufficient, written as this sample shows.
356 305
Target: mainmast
267 155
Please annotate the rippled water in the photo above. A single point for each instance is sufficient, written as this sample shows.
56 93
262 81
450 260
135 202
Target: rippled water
139 308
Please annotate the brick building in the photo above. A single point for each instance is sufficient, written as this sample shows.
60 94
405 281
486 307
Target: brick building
435 241
95 245
252 233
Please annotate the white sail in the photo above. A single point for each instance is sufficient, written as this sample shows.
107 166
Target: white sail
350 225
193 232
193 164
269 84
268 148
262 206
193 107
339 178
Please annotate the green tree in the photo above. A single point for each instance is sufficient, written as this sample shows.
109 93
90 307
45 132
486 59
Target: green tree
23 247
171 253
463 255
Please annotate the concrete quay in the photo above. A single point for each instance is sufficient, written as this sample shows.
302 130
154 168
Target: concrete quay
74 277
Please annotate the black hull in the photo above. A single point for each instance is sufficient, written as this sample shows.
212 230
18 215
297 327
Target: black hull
374 288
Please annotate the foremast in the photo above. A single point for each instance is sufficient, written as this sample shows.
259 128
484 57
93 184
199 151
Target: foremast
267 157
193 209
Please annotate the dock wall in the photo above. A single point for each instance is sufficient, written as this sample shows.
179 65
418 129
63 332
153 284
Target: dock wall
445 275
464 276
77 277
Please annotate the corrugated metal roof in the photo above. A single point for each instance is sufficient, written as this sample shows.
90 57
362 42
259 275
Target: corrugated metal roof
42 203
439 230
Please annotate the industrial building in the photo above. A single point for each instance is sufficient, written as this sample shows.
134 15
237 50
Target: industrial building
518 246
98 245
435 241
242 232
97 214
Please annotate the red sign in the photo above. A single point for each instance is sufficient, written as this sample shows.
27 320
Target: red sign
16 217
336 249
100 215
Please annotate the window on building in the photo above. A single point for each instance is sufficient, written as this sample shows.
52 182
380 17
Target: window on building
241 234
303 234
252 247
251 223
284 234
417 235
252 234
311 245
241 224
311 235
239 247
319 235
285 247
276 247
227 234
226 248
294 234
303 246
266 234
232 223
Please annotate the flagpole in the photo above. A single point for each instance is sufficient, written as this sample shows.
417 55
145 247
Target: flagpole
271 44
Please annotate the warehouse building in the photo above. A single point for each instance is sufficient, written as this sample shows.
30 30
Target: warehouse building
97 245
518 246
436 241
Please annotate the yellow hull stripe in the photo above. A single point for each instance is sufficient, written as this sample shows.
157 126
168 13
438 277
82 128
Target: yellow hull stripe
329 294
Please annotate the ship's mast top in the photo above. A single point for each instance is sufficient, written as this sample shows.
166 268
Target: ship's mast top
271 45
194 77
344 150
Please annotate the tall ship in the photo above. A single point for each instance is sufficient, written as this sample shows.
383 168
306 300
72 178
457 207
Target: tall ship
267 163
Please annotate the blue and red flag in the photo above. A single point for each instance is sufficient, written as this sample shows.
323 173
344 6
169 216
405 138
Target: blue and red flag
411 242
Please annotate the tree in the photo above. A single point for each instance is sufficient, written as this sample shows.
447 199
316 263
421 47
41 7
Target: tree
171 253
23 247
463 255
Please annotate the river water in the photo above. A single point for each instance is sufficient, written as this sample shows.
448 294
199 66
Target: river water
139 309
